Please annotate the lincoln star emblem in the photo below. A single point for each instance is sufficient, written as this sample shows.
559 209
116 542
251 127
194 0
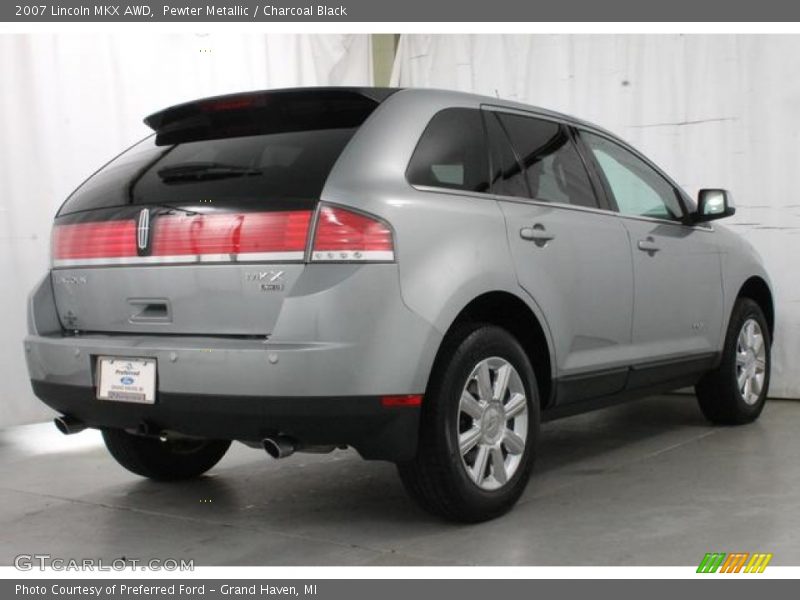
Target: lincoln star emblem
143 230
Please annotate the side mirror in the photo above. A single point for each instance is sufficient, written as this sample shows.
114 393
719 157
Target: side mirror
713 204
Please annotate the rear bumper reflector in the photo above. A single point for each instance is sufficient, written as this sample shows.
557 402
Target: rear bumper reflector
405 400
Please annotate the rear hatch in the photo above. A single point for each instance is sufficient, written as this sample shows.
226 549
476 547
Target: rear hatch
202 228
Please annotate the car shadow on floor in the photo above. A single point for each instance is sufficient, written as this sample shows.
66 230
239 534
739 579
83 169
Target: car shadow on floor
340 509
305 490
631 429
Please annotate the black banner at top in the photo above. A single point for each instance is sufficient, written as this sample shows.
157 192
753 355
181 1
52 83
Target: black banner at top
399 10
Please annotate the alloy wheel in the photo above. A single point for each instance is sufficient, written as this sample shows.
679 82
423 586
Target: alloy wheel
751 361
492 423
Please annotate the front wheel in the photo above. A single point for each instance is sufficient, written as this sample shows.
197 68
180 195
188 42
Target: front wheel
167 460
480 421
736 391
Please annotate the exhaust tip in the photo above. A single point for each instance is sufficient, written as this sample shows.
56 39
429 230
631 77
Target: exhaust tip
69 425
278 447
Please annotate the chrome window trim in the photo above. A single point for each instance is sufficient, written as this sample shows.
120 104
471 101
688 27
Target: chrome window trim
698 227
561 205
525 113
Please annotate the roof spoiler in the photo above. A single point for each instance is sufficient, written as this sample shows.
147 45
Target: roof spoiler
267 111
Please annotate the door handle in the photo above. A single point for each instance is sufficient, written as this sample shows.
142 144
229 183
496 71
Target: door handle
648 245
536 234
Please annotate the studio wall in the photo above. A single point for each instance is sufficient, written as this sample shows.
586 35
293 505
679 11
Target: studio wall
70 102
712 110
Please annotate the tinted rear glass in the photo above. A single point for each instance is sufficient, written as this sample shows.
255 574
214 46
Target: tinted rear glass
235 158
548 156
452 152
508 178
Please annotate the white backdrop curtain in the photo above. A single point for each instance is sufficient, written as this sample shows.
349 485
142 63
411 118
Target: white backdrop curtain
69 103
712 110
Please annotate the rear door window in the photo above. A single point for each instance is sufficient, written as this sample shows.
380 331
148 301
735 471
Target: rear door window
551 163
508 178
452 153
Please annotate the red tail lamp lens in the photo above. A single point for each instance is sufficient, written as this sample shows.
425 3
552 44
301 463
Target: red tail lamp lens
341 235
222 237
232 234
107 239
344 236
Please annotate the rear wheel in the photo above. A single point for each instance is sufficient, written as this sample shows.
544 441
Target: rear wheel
169 460
735 392
480 421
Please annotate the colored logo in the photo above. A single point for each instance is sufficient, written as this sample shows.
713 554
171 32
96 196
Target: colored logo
127 380
735 562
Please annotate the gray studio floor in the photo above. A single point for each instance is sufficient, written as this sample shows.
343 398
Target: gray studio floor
648 483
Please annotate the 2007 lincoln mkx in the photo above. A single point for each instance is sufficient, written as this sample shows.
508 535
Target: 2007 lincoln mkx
421 275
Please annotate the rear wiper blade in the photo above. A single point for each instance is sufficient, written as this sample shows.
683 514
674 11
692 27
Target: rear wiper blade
205 170
169 208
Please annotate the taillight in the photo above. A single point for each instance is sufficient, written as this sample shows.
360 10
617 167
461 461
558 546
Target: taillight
176 239
246 236
342 235
88 242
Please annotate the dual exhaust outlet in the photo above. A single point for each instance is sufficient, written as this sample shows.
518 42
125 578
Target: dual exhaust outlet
279 446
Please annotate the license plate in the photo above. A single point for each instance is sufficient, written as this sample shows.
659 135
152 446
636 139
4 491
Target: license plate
126 379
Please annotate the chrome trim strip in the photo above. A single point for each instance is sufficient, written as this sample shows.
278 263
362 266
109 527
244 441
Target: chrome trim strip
186 259
497 108
550 204
701 227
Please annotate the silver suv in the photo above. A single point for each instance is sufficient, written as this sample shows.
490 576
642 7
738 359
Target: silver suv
421 275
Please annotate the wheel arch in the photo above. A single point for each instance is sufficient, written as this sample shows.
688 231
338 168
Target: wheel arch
516 316
759 291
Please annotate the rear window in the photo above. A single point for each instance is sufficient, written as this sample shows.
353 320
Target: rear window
229 154
452 152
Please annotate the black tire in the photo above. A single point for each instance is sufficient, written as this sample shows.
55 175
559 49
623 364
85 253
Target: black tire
437 478
171 460
718 393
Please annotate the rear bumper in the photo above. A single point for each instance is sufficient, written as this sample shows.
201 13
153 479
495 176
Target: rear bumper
230 366
343 331
377 432
343 339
